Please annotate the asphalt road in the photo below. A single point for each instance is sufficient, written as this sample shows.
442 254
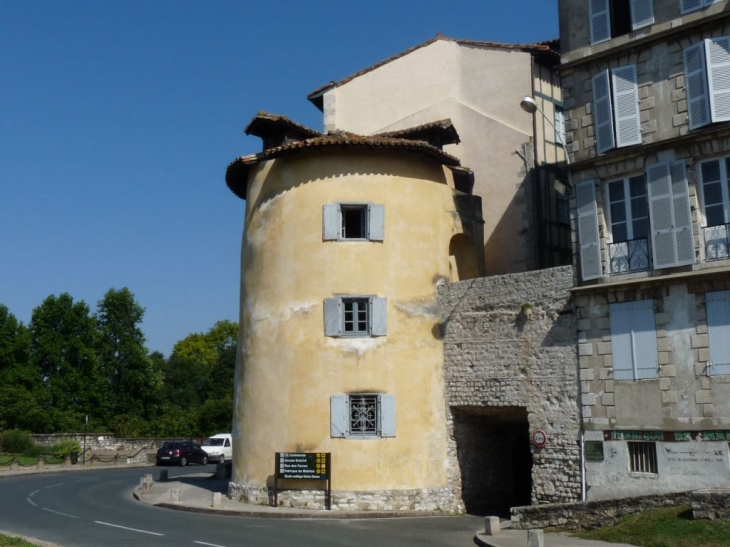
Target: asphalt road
96 508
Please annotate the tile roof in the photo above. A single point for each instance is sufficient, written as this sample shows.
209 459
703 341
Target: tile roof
548 48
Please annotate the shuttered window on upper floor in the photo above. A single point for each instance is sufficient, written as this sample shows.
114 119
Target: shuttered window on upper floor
616 108
633 340
687 6
612 18
353 222
588 235
707 81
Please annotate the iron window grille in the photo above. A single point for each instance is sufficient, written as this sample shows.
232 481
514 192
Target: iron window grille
642 457
363 412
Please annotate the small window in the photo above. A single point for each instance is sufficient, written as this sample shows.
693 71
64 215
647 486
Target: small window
362 415
693 5
616 108
355 316
612 18
642 457
559 118
353 222
228 443
633 340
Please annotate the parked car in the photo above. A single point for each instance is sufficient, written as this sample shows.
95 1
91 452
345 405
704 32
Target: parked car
181 453
219 447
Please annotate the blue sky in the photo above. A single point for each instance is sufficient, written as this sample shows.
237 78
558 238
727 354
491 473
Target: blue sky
118 119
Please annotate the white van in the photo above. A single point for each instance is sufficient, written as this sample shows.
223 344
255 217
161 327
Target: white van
219 447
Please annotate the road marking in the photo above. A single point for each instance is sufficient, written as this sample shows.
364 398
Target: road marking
33 493
211 544
131 529
59 513
54 485
34 504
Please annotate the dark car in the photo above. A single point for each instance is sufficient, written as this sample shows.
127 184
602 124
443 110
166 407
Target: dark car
181 453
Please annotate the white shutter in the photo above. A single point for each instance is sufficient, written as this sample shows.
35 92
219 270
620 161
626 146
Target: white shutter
622 353
332 316
682 214
602 112
690 5
600 21
695 84
643 332
718 77
658 184
376 222
387 415
339 416
626 105
331 221
642 13
378 316
590 248
718 328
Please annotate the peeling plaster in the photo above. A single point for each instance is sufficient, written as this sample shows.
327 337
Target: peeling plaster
357 346
420 307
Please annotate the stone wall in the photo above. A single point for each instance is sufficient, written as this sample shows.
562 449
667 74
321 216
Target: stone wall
100 441
511 362
706 504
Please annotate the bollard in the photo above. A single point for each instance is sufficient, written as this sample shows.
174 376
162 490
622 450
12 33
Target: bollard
163 475
491 526
535 538
217 498
175 495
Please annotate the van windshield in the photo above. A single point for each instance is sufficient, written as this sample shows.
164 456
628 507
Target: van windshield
213 442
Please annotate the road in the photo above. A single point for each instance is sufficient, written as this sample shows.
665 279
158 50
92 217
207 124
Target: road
96 508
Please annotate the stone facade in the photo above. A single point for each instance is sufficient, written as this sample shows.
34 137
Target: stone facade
511 363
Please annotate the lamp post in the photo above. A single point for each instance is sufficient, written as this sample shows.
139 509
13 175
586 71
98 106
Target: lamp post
529 105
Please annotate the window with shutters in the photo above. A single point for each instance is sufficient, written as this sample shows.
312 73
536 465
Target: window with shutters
612 18
633 340
642 457
693 5
588 235
362 416
715 202
718 330
355 316
707 86
353 222
616 108
628 222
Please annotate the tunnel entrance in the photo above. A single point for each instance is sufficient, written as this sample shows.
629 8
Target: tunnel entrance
495 458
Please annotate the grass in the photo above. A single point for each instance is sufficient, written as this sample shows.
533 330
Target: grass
667 527
6 541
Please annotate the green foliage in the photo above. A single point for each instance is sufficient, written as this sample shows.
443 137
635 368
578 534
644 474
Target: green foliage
16 441
63 449
8 541
666 527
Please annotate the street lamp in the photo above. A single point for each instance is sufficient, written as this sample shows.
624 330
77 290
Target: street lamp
529 105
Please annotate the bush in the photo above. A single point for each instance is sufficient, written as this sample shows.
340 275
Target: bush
17 441
63 449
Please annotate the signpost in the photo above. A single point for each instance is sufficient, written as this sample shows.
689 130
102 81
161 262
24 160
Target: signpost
303 465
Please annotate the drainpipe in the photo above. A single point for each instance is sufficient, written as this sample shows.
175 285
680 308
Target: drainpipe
582 466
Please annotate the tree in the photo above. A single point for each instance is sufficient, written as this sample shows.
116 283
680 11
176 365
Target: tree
62 343
131 378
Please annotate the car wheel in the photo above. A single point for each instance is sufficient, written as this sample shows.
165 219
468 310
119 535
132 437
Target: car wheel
205 460
222 458
183 462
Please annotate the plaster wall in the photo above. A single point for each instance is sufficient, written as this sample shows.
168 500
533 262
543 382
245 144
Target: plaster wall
288 369
479 89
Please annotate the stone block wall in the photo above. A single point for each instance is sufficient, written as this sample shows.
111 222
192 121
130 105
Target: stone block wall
510 348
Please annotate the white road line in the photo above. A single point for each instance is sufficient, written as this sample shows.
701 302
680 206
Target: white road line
33 493
59 513
131 529
211 544
54 485
34 504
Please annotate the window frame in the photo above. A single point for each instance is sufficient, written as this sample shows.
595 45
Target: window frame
601 17
717 307
342 419
333 221
627 206
688 6
724 170
642 456
633 340
335 316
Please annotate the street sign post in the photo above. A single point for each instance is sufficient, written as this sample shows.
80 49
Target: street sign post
303 466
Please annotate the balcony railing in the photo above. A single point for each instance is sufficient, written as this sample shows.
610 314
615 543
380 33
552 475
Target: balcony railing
716 242
629 256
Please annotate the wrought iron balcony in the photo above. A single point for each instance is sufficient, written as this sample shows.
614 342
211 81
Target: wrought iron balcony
629 256
716 242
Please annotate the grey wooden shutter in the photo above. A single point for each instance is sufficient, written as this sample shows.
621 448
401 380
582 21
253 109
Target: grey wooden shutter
387 415
590 248
642 13
695 83
661 219
378 316
331 221
690 5
332 316
622 353
718 329
626 105
600 21
339 416
602 112
718 77
682 214
376 222
643 332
